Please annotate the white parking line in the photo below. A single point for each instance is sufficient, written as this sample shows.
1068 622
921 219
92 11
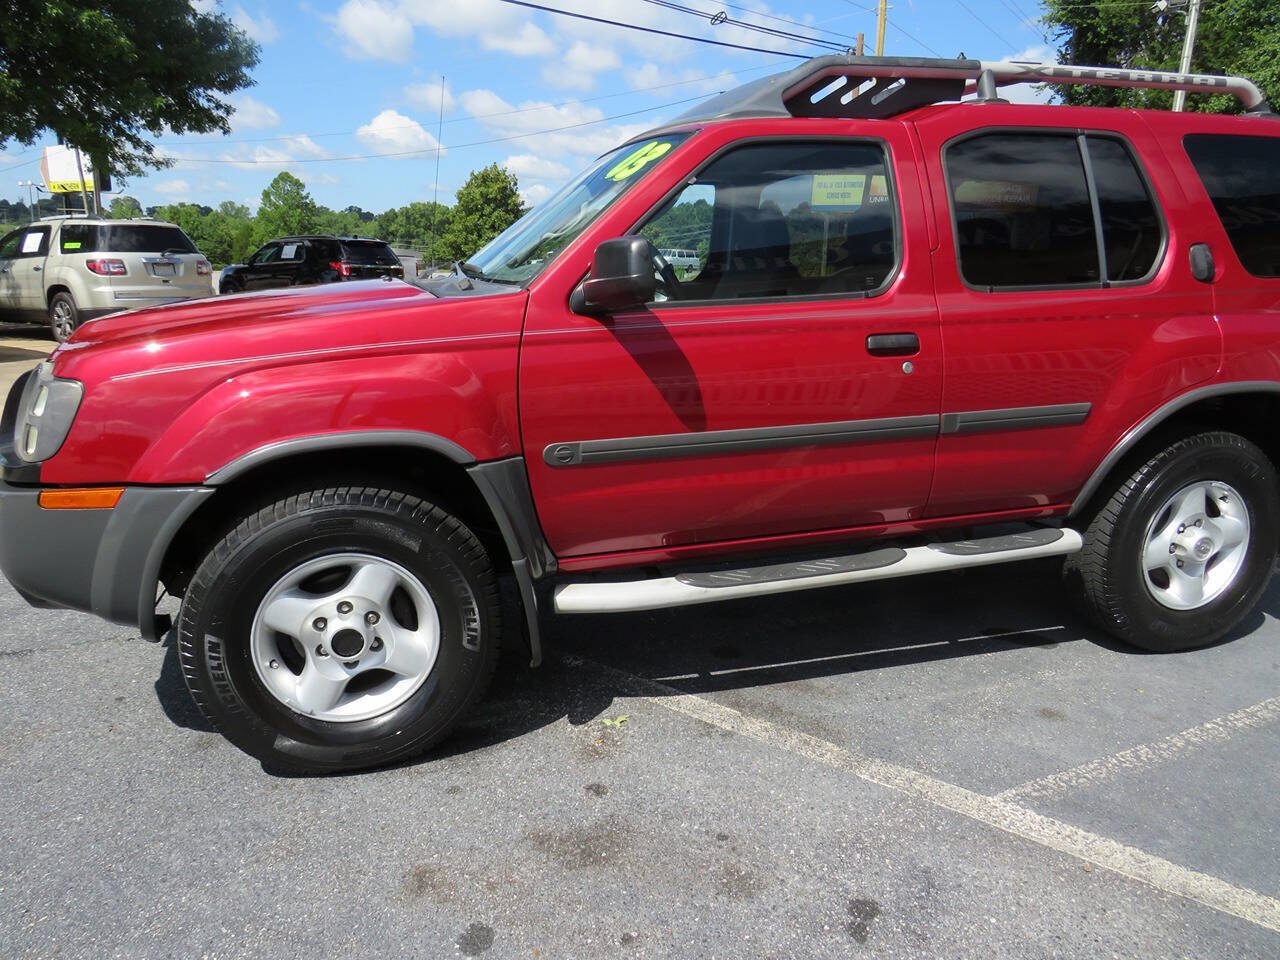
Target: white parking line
1127 861
1147 755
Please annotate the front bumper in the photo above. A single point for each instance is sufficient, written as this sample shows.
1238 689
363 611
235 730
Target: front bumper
104 562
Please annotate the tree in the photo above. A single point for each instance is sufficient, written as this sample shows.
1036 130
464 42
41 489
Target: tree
487 204
102 73
1239 37
416 224
286 209
122 208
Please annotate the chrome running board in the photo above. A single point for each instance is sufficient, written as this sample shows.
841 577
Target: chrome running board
685 589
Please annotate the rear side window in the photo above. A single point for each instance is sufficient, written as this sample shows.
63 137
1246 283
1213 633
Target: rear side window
368 253
148 238
1242 177
1022 211
1131 229
79 238
1025 214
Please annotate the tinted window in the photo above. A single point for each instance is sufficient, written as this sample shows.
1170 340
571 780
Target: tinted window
79 238
1242 178
1131 229
267 254
1022 211
9 245
781 220
148 239
368 252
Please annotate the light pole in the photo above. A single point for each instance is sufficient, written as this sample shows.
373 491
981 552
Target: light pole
31 203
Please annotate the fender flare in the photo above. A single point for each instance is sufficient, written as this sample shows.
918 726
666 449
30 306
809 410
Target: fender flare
1153 420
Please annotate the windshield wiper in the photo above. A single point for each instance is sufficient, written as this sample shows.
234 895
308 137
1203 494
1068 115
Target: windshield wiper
466 268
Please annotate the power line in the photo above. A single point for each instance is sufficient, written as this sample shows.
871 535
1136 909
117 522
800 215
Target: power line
910 36
661 33
1009 43
795 23
456 146
478 116
717 18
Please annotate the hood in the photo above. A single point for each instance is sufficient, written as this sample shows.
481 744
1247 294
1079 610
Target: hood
253 327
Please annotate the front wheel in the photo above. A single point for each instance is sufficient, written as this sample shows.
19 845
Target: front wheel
340 629
1182 551
64 316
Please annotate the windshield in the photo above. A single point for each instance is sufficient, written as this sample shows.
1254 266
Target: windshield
521 251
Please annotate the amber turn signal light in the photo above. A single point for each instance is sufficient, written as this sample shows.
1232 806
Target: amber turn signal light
91 498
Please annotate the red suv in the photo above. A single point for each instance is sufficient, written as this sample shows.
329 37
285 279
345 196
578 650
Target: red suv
915 335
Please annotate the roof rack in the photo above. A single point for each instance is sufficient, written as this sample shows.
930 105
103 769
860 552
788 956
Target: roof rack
852 87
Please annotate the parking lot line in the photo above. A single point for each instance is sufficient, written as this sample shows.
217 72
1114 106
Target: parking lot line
1143 756
1119 858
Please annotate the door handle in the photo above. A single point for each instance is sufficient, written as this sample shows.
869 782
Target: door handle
893 344
1202 266
37 269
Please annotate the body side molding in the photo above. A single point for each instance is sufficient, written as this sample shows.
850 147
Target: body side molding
1015 418
328 441
1153 420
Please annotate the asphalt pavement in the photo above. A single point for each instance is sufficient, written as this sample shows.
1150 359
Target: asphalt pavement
945 766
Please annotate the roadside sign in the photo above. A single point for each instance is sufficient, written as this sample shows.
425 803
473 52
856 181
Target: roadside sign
61 173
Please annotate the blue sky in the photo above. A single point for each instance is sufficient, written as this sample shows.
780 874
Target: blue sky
346 78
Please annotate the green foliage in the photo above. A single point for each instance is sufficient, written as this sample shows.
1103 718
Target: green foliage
1240 37
103 73
122 208
286 209
416 224
686 226
487 204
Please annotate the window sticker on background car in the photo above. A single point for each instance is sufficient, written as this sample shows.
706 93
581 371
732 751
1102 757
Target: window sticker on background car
633 163
289 252
31 242
838 189
70 244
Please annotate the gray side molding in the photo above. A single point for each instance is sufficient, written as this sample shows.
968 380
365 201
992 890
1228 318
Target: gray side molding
330 441
1153 420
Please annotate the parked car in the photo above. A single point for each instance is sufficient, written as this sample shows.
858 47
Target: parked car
66 270
681 259
926 337
294 261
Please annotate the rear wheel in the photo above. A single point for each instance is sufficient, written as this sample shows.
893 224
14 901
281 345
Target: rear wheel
1183 549
340 629
64 316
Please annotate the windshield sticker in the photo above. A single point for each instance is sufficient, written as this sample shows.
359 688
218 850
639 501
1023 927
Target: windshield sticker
634 162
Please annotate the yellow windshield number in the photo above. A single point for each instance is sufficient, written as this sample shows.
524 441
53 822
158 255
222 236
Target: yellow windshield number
636 161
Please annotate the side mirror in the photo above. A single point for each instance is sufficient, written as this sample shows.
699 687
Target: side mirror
621 276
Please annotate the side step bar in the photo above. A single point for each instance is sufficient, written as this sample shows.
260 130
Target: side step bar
689 588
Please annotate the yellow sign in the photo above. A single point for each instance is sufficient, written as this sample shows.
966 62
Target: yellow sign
1007 195
636 161
838 189
60 169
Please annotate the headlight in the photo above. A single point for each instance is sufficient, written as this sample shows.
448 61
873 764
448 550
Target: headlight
45 414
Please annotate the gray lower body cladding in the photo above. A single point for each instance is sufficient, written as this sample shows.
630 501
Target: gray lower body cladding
104 562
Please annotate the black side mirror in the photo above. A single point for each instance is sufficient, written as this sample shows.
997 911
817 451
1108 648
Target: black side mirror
621 276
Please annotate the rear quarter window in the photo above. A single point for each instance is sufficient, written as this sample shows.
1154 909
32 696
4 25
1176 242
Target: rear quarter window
1241 174
148 238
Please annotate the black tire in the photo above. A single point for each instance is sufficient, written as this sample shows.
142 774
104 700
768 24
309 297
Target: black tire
64 316
229 286
1107 579
221 601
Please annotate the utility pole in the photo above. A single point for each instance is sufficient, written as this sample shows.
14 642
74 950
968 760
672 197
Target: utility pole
882 14
1188 44
435 188
859 49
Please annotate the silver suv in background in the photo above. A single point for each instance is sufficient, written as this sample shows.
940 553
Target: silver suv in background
68 270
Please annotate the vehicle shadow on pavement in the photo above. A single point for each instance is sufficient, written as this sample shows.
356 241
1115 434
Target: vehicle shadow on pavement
591 661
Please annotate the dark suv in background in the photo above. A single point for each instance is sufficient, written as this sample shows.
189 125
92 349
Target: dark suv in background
293 261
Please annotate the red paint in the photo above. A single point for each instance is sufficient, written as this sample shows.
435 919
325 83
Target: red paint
173 393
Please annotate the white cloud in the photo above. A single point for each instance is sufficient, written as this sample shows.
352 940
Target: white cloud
374 30
262 29
205 6
1041 53
580 65
529 42
427 96
529 166
278 155
172 188
253 114
585 137
1027 92
534 194
393 132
